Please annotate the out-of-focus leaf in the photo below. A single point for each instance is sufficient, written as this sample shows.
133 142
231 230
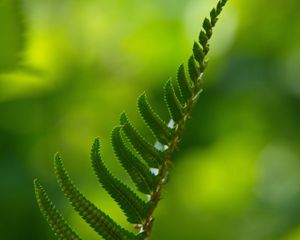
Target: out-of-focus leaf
12 34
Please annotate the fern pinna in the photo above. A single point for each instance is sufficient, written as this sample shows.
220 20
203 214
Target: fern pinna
147 164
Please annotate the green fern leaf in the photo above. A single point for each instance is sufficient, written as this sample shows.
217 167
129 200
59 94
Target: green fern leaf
199 56
207 27
173 104
203 39
193 70
98 220
57 223
148 152
133 207
144 180
184 84
213 17
220 6
216 11
198 53
141 236
155 123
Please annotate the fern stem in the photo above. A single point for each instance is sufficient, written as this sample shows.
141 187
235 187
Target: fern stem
164 170
196 90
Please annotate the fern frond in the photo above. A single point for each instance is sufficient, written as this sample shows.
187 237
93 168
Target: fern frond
207 27
184 84
216 12
158 127
57 223
203 39
97 219
141 176
133 207
193 70
174 106
131 149
198 52
148 152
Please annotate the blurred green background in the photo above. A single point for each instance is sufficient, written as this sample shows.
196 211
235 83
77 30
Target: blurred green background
68 69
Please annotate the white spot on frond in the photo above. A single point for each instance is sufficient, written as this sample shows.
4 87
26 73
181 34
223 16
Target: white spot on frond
160 147
171 124
154 171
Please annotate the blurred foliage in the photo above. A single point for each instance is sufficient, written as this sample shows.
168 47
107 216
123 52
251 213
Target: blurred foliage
68 68
12 34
